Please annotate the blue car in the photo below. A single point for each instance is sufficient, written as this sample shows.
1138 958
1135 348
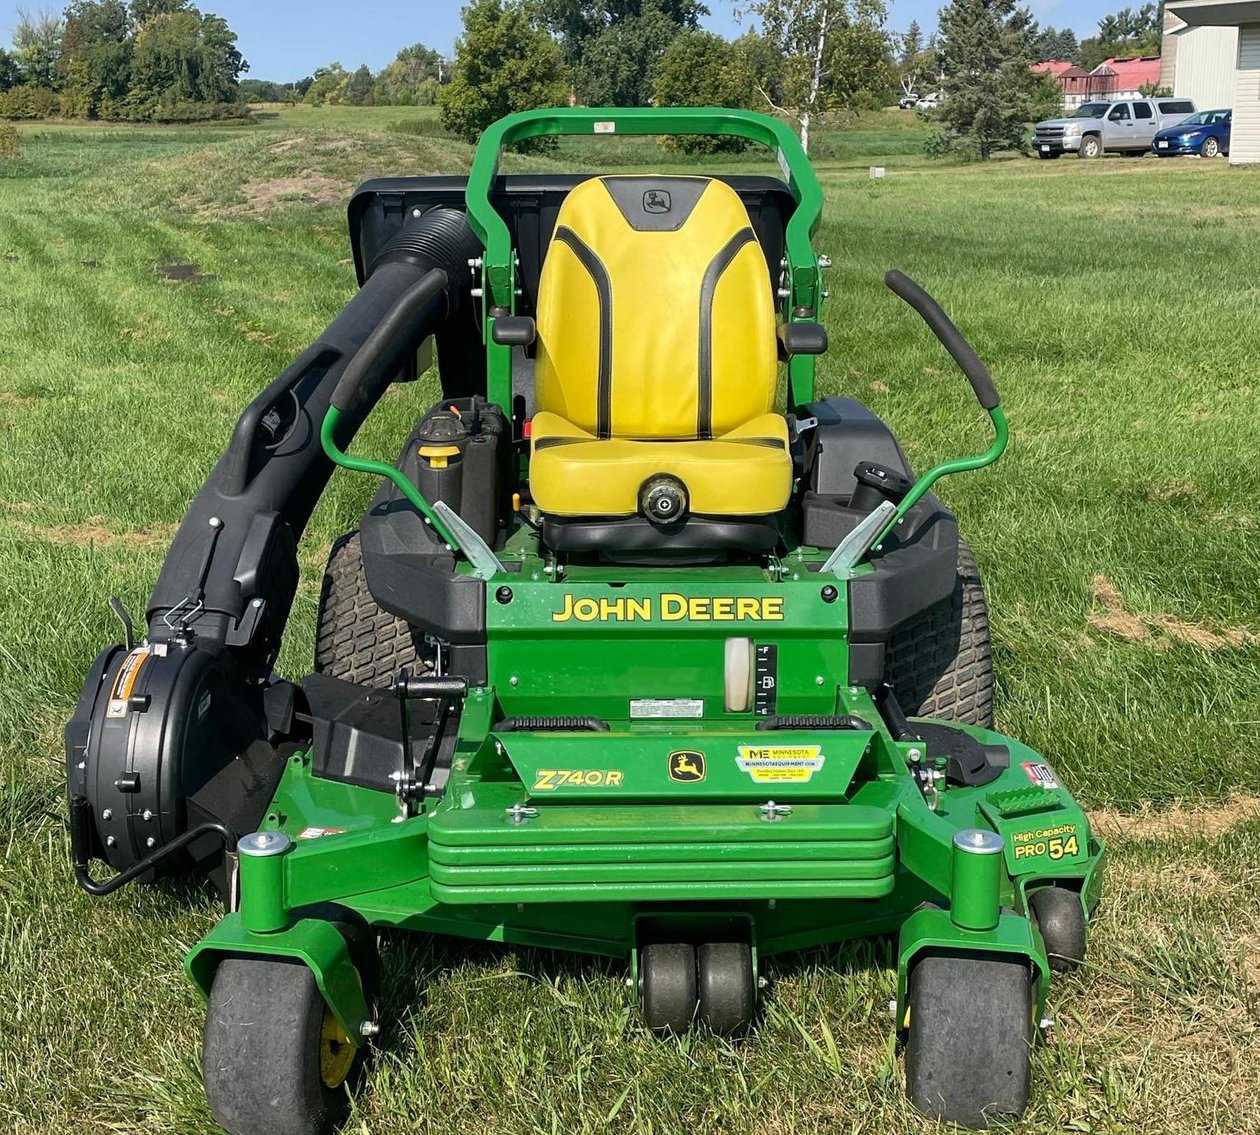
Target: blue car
1205 133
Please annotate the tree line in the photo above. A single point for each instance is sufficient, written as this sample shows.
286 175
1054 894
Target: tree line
143 61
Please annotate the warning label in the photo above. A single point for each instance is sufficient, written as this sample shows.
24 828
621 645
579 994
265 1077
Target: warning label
126 681
1042 775
775 764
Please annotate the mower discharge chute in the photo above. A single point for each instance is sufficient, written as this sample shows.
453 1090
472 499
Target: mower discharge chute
622 659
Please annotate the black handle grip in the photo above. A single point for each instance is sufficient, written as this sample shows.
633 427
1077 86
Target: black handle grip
949 335
448 688
395 320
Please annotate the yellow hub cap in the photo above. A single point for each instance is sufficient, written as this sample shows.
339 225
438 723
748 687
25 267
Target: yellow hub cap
336 1053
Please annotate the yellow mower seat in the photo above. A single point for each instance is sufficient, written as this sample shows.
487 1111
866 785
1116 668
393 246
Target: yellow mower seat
656 354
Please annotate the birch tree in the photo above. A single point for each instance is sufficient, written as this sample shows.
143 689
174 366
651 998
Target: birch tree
803 31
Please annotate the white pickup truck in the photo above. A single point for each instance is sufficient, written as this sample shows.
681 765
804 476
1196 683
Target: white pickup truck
1123 126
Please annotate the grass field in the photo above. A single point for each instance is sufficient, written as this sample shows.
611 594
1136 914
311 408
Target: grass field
1119 540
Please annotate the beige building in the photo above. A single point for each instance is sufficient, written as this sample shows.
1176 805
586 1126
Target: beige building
1215 60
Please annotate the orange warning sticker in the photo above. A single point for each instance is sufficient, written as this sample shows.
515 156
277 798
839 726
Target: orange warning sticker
126 681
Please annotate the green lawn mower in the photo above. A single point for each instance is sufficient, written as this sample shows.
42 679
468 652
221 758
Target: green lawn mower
623 659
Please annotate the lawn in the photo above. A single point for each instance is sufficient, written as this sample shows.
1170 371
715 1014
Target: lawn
1119 540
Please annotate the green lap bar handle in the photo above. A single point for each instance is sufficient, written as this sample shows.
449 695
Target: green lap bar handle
981 383
395 320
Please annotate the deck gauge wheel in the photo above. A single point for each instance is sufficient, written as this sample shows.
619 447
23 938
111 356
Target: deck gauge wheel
667 986
1061 919
728 995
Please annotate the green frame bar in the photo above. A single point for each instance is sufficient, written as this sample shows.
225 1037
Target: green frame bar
804 278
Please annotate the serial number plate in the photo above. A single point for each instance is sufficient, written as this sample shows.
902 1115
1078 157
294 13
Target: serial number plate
666 707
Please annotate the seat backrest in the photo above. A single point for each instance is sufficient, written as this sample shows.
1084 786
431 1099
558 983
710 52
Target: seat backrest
656 317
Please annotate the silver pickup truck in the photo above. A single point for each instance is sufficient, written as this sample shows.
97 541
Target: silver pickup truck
1123 126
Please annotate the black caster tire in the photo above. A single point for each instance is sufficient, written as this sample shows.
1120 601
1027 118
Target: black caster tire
274 1059
727 995
667 986
970 1037
1061 920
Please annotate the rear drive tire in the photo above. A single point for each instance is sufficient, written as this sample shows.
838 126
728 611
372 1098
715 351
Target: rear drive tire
358 640
667 986
1211 148
274 1059
726 993
1061 920
970 1037
941 665
1091 147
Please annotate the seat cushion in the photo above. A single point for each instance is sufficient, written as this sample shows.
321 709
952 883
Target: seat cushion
745 472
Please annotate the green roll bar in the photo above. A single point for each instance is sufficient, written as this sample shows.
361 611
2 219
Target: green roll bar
803 282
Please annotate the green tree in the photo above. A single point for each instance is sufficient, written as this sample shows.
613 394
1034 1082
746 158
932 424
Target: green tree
1127 33
358 87
804 33
325 84
1056 43
618 66
96 50
10 70
576 22
182 57
400 83
703 69
859 61
37 40
504 62
986 55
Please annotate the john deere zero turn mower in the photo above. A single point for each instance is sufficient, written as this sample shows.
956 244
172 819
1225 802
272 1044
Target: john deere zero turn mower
624 657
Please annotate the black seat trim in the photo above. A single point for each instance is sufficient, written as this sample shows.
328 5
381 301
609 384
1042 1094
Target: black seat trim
708 289
603 289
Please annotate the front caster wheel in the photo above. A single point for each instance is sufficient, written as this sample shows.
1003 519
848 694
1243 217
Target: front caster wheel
274 1058
971 1035
727 995
667 986
1061 920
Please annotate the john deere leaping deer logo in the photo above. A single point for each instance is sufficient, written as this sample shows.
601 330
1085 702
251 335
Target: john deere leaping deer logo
686 765
657 201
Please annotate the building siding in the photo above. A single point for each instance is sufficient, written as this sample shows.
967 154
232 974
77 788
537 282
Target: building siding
1203 71
1244 146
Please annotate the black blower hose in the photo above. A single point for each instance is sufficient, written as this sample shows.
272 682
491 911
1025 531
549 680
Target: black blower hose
439 238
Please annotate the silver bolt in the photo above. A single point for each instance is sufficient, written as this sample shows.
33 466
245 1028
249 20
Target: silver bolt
150 842
915 754
81 765
978 841
108 814
256 603
514 681
521 812
215 522
263 843
629 982
147 815
369 1029
770 811
110 841
762 983
819 680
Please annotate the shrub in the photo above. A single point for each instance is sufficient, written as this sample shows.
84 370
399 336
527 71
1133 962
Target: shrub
10 143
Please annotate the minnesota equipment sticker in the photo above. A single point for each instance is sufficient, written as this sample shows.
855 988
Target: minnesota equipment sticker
776 764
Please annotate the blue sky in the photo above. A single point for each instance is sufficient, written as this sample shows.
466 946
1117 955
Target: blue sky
288 39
